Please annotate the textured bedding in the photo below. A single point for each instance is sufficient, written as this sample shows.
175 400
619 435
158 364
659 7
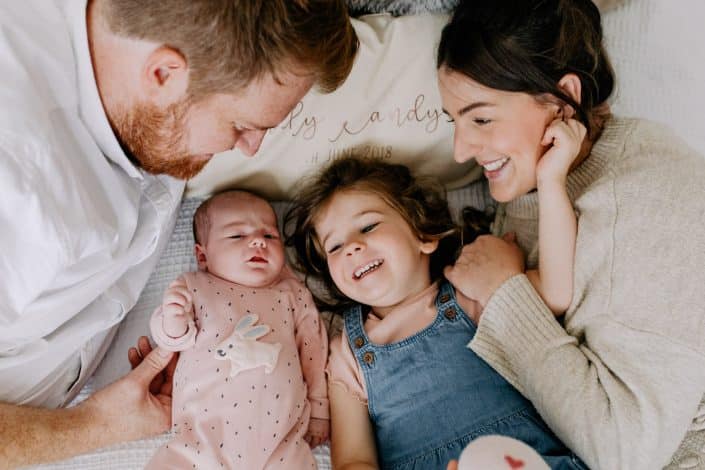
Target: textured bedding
660 77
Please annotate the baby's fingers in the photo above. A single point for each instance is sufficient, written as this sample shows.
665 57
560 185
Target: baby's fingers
172 310
178 297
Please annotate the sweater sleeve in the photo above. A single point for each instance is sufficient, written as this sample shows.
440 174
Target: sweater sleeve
312 343
613 413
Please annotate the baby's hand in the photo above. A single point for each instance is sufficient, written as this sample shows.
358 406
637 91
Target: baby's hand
318 432
177 305
566 138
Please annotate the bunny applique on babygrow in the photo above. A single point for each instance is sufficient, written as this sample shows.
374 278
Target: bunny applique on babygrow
243 350
249 377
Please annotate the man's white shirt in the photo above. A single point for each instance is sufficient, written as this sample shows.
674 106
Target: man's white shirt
82 227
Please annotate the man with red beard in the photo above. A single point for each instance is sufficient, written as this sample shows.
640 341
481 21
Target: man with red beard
107 106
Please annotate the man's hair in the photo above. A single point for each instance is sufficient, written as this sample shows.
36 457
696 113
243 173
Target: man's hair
421 202
230 43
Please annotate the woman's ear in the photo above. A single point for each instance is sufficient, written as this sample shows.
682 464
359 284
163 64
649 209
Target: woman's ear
571 86
200 253
428 247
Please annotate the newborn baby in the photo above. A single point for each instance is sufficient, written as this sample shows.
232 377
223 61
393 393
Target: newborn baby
249 387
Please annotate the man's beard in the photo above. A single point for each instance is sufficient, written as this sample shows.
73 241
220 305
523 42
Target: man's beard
154 139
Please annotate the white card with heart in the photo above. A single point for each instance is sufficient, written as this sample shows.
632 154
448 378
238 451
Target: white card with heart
500 453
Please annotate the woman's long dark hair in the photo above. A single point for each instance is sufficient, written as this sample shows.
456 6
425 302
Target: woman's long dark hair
528 46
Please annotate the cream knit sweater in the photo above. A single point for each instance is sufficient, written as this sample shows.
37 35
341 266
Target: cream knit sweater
622 380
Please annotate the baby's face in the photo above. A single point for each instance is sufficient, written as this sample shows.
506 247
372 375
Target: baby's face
243 244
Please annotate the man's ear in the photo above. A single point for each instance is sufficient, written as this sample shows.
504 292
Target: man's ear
200 253
571 86
428 247
165 76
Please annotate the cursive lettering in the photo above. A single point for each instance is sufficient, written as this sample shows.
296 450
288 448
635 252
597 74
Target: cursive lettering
307 127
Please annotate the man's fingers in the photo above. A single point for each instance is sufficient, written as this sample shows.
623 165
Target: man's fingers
167 386
153 364
164 400
143 346
134 357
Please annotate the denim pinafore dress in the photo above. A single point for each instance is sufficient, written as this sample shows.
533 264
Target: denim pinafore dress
429 395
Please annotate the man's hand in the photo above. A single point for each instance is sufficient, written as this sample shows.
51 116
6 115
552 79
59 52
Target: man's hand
138 405
484 265
163 382
318 432
134 407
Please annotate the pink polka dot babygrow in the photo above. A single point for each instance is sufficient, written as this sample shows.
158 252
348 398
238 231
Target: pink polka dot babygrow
248 381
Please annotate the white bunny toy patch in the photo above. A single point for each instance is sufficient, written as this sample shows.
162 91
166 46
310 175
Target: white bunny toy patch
243 349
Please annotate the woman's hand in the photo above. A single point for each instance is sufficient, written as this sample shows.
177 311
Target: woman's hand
566 140
484 265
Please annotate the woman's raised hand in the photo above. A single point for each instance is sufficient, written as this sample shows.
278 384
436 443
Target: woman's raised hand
566 139
484 265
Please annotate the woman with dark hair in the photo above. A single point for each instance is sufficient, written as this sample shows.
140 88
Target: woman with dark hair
620 378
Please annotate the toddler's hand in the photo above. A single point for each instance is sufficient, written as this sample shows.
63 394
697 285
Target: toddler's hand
177 305
566 138
318 432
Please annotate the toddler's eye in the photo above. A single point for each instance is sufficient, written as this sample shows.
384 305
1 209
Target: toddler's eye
333 249
270 236
369 228
482 122
235 237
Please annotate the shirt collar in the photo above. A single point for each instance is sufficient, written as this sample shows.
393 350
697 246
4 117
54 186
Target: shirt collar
90 105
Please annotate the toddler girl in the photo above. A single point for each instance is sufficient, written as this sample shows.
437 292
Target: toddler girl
405 390
249 387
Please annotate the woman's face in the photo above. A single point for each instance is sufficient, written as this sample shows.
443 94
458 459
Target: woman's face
501 130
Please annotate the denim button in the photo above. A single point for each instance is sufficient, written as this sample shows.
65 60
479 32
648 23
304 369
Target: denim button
444 298
359 342
450 313
368 357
